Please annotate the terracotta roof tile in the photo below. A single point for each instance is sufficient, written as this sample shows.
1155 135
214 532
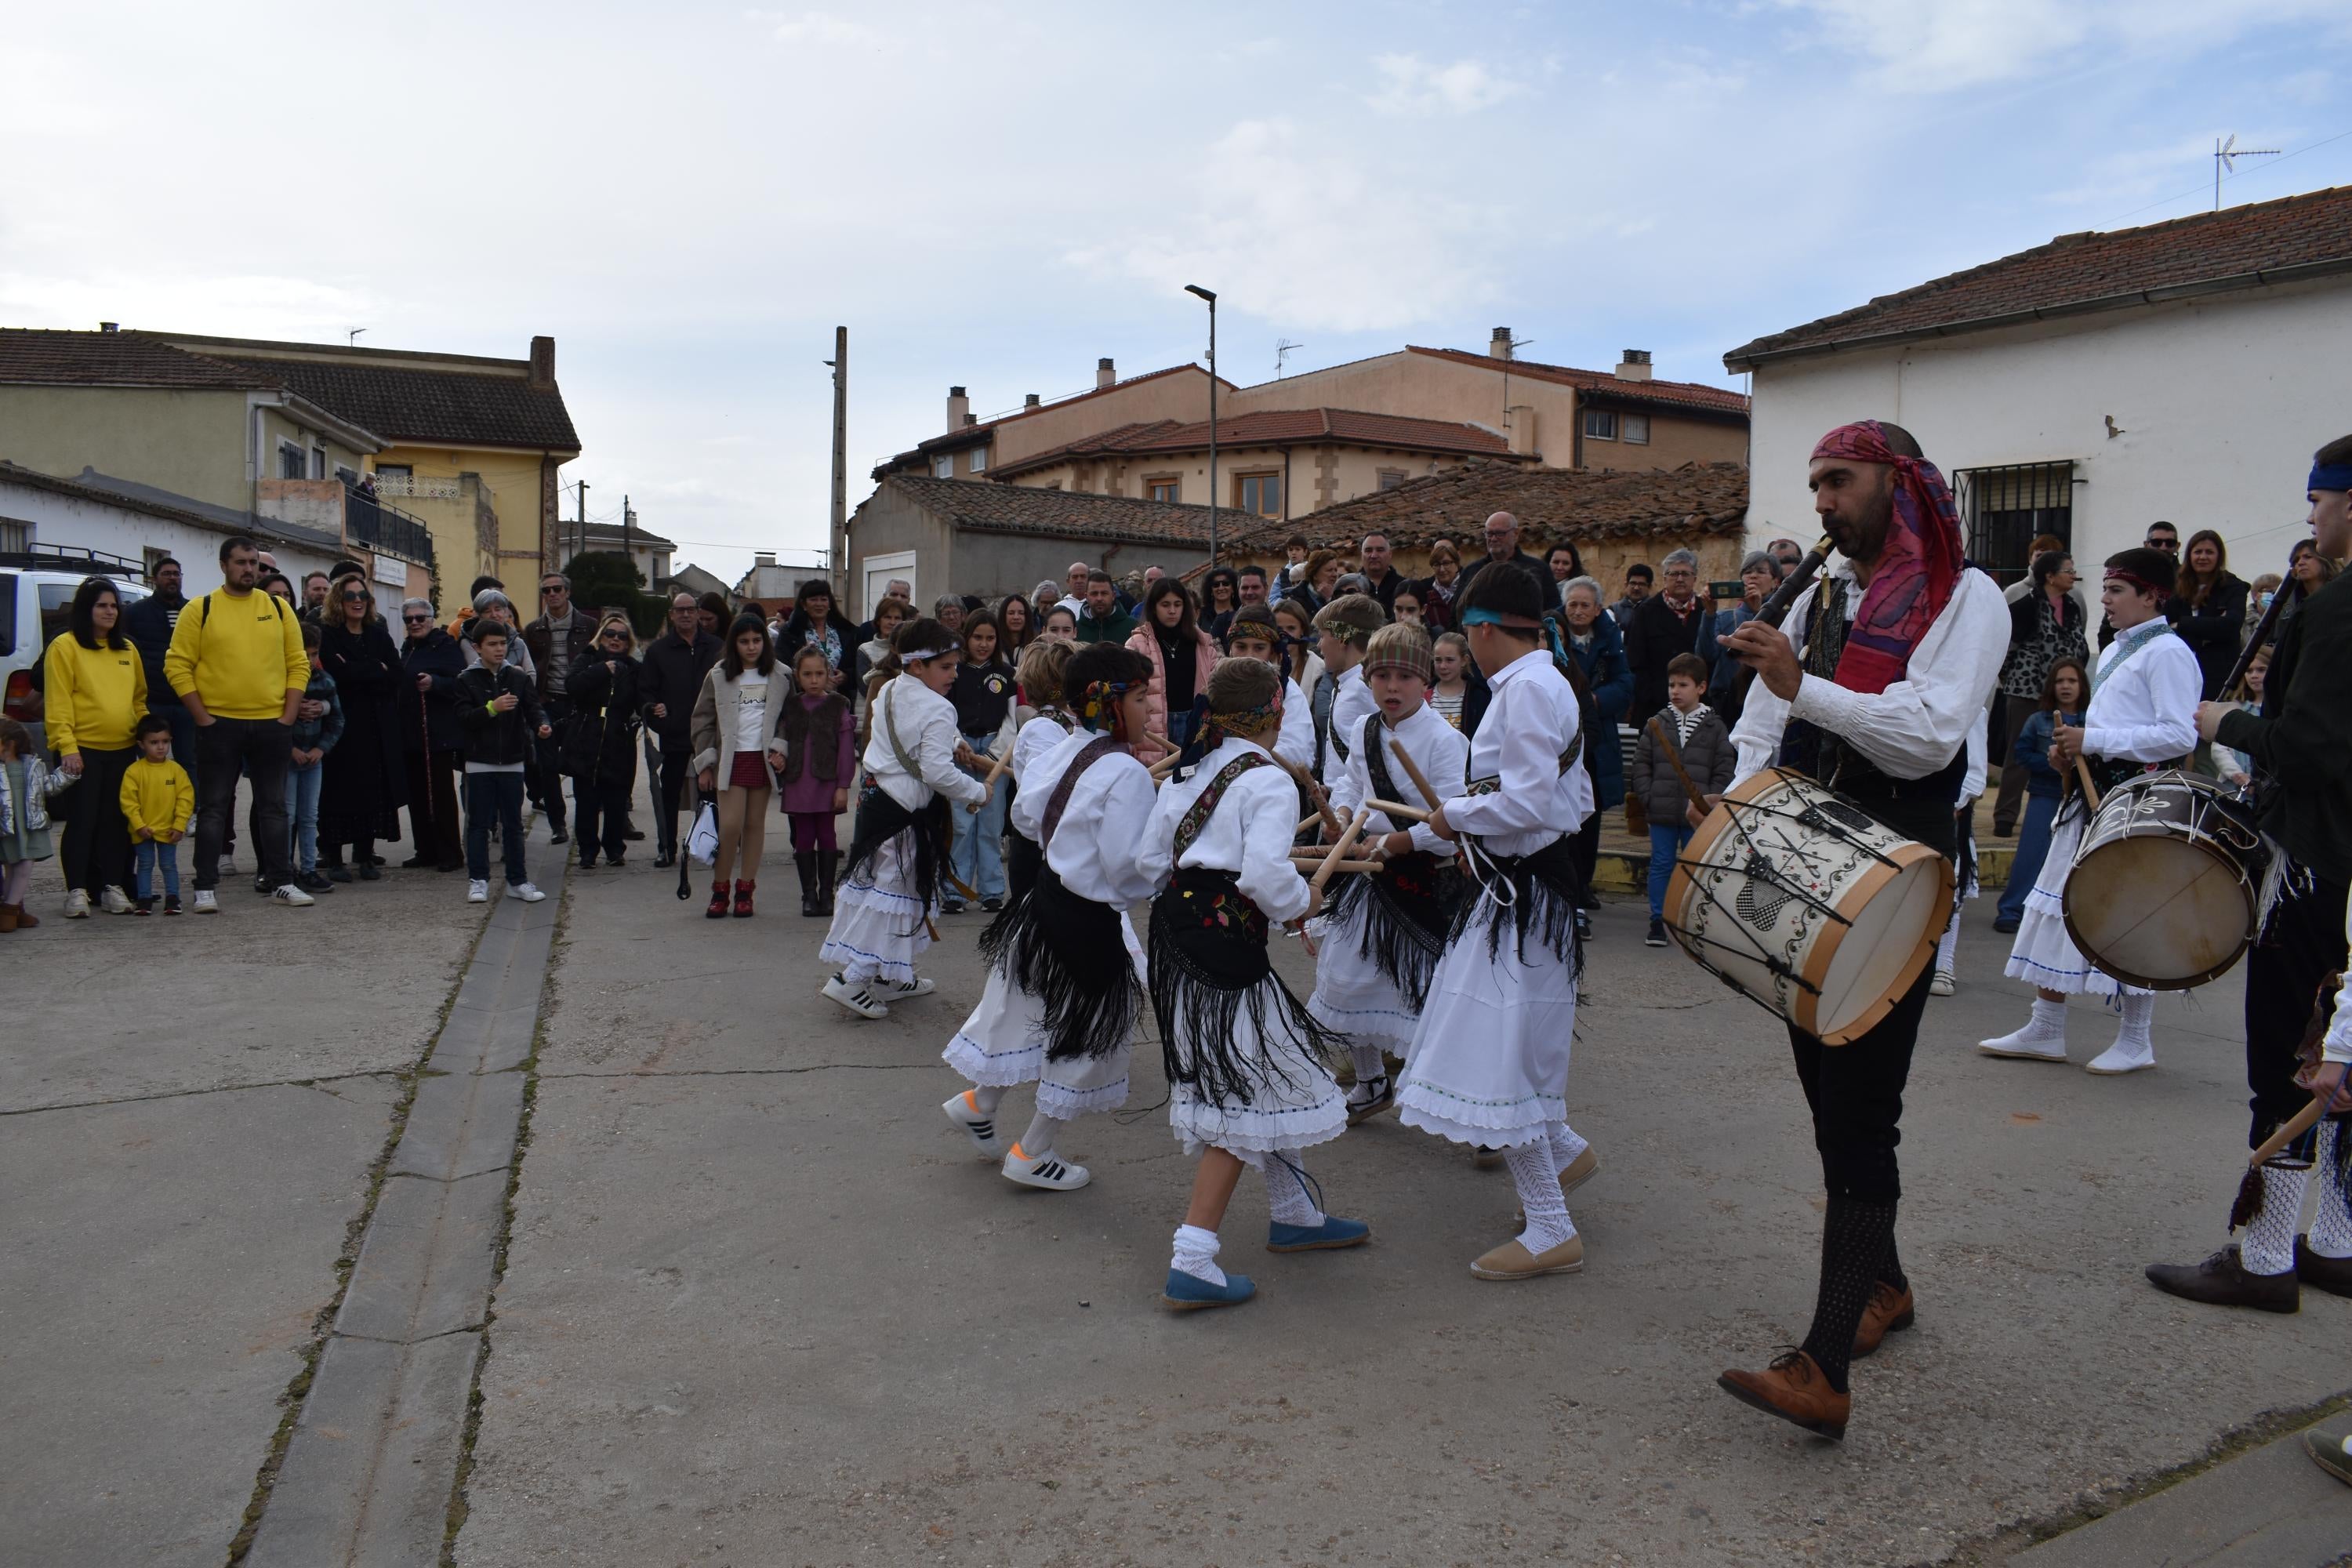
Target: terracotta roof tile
1688 394
29 356
2267 242
1058 514
425 406
1550 504
972 434
1279 428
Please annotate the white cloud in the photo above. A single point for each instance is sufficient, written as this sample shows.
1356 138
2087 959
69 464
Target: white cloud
1411 86
819 28
262 305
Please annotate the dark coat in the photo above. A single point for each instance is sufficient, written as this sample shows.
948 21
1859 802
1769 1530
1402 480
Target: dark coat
1710 759
366 778
1657 635
1473 566
599 746
148 624
431 715
671 675
2215 630
2304 733
499 740
1611 680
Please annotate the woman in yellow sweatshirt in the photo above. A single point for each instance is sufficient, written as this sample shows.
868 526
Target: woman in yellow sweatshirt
96 695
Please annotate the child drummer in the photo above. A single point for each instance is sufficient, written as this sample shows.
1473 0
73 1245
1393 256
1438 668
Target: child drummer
1382 934
1245 1061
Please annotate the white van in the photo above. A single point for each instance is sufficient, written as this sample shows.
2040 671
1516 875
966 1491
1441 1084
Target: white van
36 590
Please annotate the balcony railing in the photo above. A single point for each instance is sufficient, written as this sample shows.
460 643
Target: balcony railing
381 527
409 487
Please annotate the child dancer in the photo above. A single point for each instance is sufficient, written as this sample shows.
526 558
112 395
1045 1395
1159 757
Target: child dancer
1254 634
820 756
1342 628
1383 933
1045 724
158 800
1489 1059
24 823
915 775
1064 974
1247 1083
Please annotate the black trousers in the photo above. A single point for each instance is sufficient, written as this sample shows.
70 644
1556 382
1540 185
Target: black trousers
95 854
435 825
2303 945
1855 1091
260 748
604 808
673 792
546 771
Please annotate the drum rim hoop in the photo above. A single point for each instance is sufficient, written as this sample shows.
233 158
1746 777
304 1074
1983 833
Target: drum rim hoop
1906 855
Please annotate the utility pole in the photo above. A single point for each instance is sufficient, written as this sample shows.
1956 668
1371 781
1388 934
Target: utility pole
1210 296
581 542
628 537
837 538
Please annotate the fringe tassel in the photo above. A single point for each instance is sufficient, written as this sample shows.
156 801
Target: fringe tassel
880 818
1201 987
1544 894
1070 954
1407 912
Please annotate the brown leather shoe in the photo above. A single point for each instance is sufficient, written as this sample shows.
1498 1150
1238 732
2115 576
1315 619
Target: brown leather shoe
1889 1310
1794 1388
2332 1275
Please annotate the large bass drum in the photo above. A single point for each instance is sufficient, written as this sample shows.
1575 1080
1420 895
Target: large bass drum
2171 881
1801 900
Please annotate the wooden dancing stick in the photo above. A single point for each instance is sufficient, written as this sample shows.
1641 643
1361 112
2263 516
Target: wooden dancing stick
2293 1129
1658 732
1304 859
1305 822
995 772
1331 861
1398 810
2090 790
1166 766
1412 771
1315 791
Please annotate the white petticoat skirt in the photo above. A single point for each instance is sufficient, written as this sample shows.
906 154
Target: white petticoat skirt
1296 1105
1351 996
878 921
2045 954
1003 1044
1489 1063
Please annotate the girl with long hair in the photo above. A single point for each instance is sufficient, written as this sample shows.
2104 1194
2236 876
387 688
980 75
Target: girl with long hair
96 694
739 739
1182 656
2208 608
984 695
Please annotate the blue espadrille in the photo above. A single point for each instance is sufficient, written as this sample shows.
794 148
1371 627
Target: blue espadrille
1190 1292
1333 1232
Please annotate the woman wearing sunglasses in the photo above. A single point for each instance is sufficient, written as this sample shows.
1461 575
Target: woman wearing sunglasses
364 783
600 750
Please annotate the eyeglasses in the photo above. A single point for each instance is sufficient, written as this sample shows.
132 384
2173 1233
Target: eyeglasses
615 636
355 598
418 620
550 589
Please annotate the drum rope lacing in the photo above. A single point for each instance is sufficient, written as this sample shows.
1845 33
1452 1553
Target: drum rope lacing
1770 874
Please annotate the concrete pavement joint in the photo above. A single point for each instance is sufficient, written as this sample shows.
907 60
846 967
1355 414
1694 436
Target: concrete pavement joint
313 1082
755 1072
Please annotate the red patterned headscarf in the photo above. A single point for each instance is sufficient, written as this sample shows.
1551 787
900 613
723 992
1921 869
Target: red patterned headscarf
1917 567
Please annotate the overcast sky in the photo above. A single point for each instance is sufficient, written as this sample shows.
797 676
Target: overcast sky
691 198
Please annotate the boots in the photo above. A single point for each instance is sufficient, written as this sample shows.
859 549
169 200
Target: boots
804 862
718 909
10 917
744 899
828 863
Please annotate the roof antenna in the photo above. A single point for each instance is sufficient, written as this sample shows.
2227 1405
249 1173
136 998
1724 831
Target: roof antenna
352 339
2225 160
1281 351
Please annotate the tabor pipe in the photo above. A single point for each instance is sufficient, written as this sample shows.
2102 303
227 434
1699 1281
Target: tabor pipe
1398 810
995 770
1412 771
1776 605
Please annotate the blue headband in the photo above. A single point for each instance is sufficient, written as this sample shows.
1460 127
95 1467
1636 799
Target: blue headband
1497 618
2330 477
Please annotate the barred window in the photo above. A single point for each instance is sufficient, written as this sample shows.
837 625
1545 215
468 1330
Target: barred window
2005 508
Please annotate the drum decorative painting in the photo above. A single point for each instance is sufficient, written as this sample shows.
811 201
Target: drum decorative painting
2171 883
1803 901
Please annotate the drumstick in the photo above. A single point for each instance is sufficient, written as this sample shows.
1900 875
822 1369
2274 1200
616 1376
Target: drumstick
1332 862
1314 792
1698 802
1412 771
995 772
1401 812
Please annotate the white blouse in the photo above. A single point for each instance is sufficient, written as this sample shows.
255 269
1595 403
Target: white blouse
1438 750
925 723
1295 741
1108 818
1037 738
1530 719
1915 725
2144 708
1249 834
752 711
1351 698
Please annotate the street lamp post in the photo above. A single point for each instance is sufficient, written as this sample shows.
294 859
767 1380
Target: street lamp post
1211 299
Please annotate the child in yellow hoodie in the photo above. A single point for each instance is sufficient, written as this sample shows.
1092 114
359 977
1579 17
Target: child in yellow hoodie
157 802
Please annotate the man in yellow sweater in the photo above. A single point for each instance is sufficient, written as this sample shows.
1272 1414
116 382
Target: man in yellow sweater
237 660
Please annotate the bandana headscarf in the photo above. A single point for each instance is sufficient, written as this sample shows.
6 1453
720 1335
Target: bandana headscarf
1098 706
1918 565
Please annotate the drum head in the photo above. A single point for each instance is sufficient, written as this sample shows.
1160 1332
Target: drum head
2165 914
1876 960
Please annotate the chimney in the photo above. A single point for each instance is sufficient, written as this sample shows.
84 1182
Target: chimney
111 326
1028 403
763 558
959 409
1634 366
1501 348
542 364
970 420
1104 373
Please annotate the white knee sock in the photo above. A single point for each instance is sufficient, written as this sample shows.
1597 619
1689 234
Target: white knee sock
1196 1254
1565 1144
1369 1065
1288 1199
1949 945
1039 1139
2139 1014
2050 1017
987 1096
2269 1245
2331 1226
1538 1179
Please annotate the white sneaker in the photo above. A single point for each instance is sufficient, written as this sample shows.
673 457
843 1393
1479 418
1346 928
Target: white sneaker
478 892
2124 1056
77 904
859 999
2031 1043
292 897
978 1125
1944 984
1048 1171
116 901
206 904
525 891
920 985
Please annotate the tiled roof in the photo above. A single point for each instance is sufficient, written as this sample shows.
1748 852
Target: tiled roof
1550 504
1056 514
643 537
32 357
1280 427
424 405
1685 394
2308 236
972 435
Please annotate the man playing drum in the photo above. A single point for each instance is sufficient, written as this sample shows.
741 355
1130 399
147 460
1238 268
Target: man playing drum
1871 685
2142 715
2298 745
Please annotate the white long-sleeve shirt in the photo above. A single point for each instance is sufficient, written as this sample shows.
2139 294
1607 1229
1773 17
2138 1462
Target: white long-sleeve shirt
1351 698
1295 742
1918 723
1249 834
1972 783
1035 739
2144 707
1438 750
1106 821
2336 1044
925 724
1530 719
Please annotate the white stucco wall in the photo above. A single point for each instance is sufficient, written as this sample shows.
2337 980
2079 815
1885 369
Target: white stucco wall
2221 401
75 524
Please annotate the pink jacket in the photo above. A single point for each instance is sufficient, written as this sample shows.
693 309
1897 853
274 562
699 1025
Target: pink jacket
1206 657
